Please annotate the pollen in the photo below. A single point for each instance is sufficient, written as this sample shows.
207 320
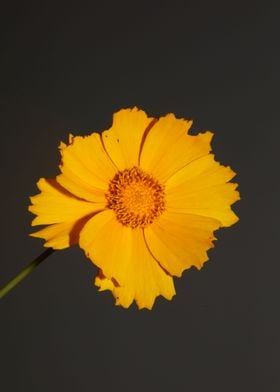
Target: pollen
136 198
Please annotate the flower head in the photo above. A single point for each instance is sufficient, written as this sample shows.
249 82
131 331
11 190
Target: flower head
142 199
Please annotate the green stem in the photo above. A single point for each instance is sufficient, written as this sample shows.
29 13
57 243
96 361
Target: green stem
24 272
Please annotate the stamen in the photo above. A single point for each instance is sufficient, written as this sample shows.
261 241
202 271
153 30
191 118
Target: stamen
136 198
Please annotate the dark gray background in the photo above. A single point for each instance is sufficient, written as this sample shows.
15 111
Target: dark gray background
68 68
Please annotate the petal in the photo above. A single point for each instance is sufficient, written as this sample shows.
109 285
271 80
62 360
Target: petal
61 210
180 241
201 188
124 297
61 235
55 204
168 147
86 168
104 283
123 140
122 255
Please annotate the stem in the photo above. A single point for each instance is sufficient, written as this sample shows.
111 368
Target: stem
25 271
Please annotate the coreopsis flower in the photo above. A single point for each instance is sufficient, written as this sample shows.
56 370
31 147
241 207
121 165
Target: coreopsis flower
142 199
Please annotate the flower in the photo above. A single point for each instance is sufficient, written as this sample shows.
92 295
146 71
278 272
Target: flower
142 199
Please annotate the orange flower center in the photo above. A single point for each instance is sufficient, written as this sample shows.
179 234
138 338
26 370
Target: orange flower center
135 197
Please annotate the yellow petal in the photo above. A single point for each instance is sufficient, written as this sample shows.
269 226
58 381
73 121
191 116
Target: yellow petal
61 210
168 147
201 188
123 140
122 255
81 190
61 235
124 297
180 241
86 168
55 204
104 283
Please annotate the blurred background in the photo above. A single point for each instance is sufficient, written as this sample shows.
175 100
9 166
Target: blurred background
67 68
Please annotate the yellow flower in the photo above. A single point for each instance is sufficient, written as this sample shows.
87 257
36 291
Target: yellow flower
142 199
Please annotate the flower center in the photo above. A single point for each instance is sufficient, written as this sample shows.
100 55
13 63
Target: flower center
135 197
